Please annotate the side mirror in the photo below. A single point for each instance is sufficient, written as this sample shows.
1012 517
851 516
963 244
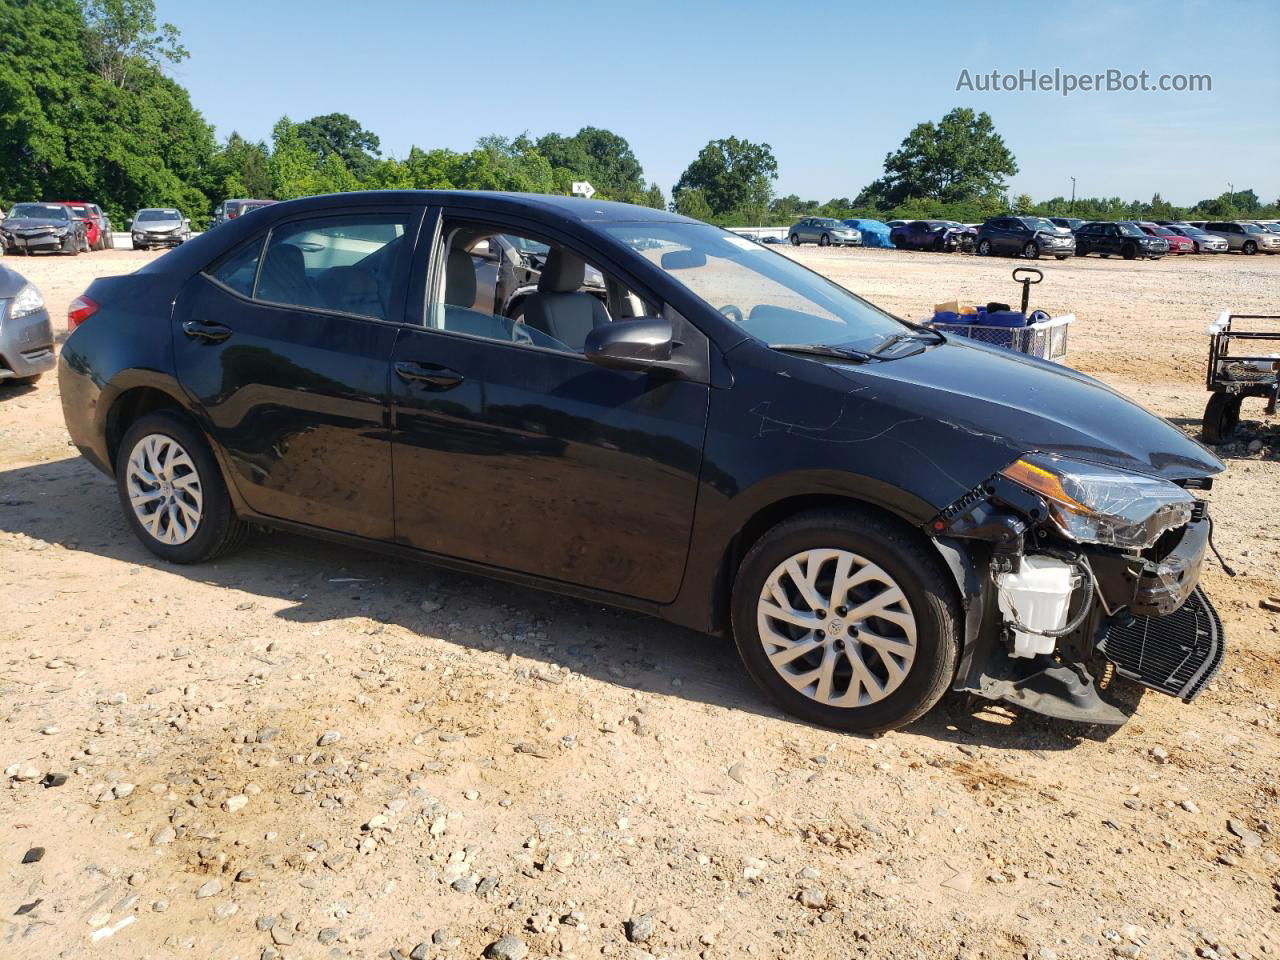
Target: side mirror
643 343
128 223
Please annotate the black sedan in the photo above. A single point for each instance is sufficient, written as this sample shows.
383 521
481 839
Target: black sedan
724 439
51 227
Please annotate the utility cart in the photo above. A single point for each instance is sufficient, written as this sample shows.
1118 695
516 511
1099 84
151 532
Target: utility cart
1034 333
1249 371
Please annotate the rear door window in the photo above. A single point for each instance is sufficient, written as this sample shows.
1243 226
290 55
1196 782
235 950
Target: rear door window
342 263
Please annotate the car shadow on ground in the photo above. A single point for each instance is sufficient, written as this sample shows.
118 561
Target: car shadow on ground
68 503
15 389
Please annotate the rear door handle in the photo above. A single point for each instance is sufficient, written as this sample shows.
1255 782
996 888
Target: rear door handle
209 332
432 375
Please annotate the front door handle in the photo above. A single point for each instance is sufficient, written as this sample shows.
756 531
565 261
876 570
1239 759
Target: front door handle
209 332
432 375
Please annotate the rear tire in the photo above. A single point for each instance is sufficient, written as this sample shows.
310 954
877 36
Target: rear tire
1221 417
795 240
142 474
917 628
984 248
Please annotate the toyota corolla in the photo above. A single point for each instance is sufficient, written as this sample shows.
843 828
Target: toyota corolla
709 433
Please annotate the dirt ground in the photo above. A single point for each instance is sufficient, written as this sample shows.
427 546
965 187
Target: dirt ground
304 751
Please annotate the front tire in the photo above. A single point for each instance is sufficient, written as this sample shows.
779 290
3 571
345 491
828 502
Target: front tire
1249 248
172 491
846 620
1031 251
1129 251
824 240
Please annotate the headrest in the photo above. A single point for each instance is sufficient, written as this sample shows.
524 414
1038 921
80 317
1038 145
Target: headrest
460 279
285 259
562 273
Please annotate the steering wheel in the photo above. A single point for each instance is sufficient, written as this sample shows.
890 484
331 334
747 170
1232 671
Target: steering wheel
733 312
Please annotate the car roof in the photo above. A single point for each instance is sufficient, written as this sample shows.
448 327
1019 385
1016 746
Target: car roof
578 209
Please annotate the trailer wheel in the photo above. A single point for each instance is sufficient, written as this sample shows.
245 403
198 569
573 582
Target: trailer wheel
1221 417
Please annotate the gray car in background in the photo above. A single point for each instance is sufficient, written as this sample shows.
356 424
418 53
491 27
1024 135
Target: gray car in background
26 335
824 231
1247 238
159 227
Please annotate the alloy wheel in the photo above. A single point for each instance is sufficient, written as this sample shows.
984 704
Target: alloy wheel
164 489
836 627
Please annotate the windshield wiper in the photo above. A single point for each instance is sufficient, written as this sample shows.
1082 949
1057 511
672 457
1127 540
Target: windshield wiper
823 350
915 335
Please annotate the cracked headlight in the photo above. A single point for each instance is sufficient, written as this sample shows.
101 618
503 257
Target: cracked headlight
27 301
1090 503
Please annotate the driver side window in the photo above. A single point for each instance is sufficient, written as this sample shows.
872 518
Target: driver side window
513 288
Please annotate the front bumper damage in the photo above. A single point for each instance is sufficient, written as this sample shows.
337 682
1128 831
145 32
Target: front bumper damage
1142 617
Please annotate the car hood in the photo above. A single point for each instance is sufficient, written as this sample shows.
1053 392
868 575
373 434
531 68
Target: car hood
996 405
10 283
30 223
158 225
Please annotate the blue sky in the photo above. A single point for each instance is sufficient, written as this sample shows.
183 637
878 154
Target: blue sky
831 86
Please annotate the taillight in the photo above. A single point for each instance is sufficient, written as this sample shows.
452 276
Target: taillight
81 309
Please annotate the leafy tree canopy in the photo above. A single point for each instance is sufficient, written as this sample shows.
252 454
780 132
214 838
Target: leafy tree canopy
336 134
960 158
733 175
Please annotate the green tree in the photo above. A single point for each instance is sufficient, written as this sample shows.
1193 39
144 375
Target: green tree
1023 204
600 156
65 131
123 36
732 175
337 134
957 159
242 169
692 202
654 198
293 166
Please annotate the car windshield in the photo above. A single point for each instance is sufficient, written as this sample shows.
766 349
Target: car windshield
1040 223
827 223
81 211
1130 230
770 296
158 215
1252 228
1162 231
41 211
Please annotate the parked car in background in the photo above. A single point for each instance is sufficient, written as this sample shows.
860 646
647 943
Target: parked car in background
1070 223
1030 237
896 223
337 365
1201 242
1123 239
26 334
96 222
943 236
159 227
1176 241
1246 238
824 231
874 233
51 227
229 210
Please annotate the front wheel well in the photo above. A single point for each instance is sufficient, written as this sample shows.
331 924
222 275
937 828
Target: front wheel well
128 407
769 517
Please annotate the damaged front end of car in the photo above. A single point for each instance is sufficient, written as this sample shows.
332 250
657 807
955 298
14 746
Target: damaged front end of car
1079 578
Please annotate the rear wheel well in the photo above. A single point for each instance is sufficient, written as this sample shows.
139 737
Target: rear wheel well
128 407
770 516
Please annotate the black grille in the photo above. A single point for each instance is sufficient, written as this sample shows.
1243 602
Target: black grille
1177 654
